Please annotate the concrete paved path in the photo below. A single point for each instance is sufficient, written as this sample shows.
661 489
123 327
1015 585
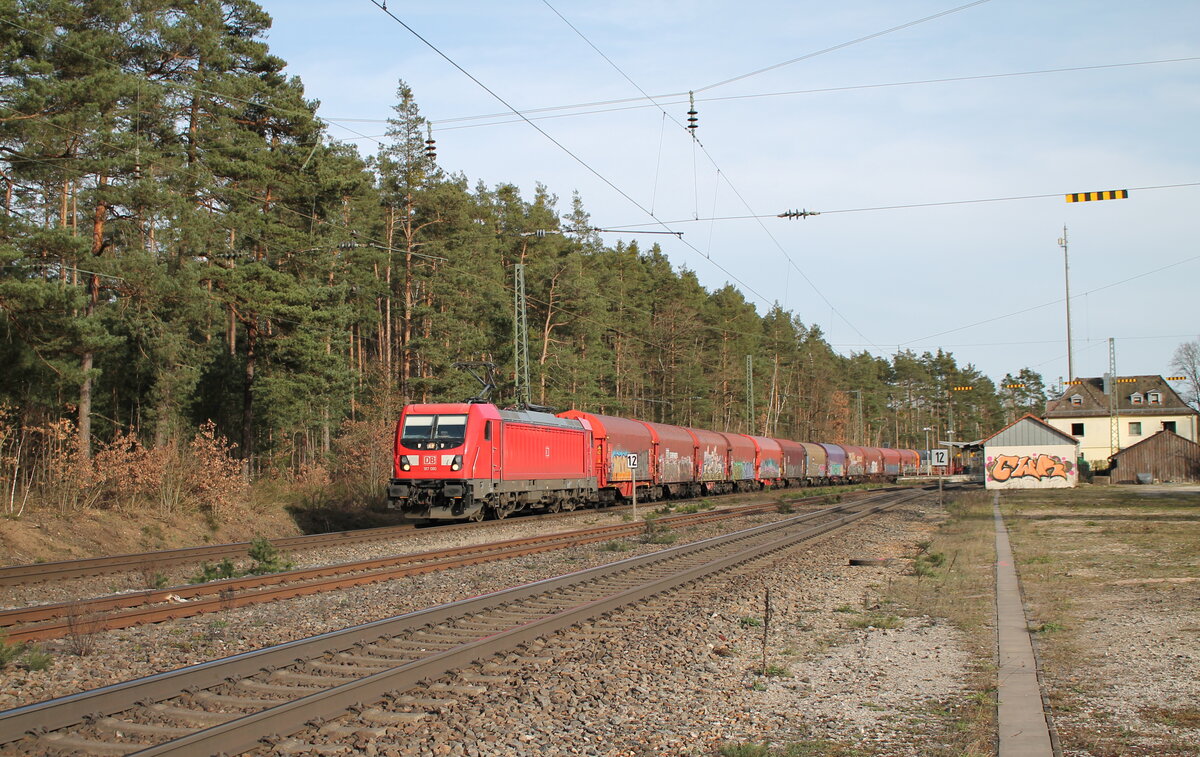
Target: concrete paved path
1023 727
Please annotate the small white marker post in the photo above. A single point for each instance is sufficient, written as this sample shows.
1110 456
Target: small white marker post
940 458
633 461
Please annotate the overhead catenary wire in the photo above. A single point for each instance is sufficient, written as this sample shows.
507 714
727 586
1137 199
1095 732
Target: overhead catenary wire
697 144
957 345
910 206
841 46
639 102
591 169
1055 302
677 98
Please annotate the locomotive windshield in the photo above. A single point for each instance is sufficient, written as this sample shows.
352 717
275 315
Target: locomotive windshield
433 431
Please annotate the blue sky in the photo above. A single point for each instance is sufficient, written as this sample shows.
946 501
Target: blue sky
983 280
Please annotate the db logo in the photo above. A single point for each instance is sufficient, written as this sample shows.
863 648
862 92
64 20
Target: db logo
429 460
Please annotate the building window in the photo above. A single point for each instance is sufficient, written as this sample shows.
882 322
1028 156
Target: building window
1136 398
1155 398
1076 429
1076 400
1135 428
1169 426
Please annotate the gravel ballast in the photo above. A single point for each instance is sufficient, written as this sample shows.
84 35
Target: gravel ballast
668 681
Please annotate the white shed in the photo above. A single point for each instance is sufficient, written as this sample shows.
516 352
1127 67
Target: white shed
1030 454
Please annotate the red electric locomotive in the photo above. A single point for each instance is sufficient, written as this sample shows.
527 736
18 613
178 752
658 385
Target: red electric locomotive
471 459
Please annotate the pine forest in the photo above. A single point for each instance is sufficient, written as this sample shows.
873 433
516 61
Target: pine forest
201 291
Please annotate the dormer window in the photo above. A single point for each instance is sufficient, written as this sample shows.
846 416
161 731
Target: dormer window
1136 398
1154 398
1076 400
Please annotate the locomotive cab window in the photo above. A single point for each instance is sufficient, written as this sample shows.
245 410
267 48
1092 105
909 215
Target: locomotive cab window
433 431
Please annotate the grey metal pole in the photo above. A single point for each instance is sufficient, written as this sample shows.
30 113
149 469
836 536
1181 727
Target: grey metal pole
1067 285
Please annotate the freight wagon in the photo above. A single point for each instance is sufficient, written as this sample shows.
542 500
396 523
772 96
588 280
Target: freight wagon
472 460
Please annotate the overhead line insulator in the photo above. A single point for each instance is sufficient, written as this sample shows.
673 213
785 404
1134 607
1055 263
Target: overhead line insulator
790 214
693 116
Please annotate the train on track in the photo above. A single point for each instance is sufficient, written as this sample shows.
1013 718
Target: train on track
471 460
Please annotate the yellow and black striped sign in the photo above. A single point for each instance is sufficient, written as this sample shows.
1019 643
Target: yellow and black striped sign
961 388
1176 378
1126 380
1112 194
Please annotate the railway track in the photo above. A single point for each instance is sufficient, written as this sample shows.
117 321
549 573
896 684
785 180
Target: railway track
50 621
228 705
149 562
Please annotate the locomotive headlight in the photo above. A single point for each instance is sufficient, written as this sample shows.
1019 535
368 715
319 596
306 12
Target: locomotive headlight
457 463
404 463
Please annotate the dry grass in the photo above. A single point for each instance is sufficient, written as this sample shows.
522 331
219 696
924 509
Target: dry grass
952 578
1108 572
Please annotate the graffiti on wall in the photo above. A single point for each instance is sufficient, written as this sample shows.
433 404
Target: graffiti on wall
1003 468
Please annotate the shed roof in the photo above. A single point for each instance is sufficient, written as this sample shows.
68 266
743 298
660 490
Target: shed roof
1155 440
1028 430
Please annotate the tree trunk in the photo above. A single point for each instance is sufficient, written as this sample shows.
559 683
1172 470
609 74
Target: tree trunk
88 358
247 450
85 407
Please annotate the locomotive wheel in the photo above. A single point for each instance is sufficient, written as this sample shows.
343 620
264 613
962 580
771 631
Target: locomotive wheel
569 504
503 510
477 516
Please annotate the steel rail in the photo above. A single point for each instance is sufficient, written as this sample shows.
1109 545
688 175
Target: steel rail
71 710
246 732
215 596
64 570
17 575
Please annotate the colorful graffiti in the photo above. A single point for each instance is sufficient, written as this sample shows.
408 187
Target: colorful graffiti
1007 467
743 470
713 464
674 466
619 466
